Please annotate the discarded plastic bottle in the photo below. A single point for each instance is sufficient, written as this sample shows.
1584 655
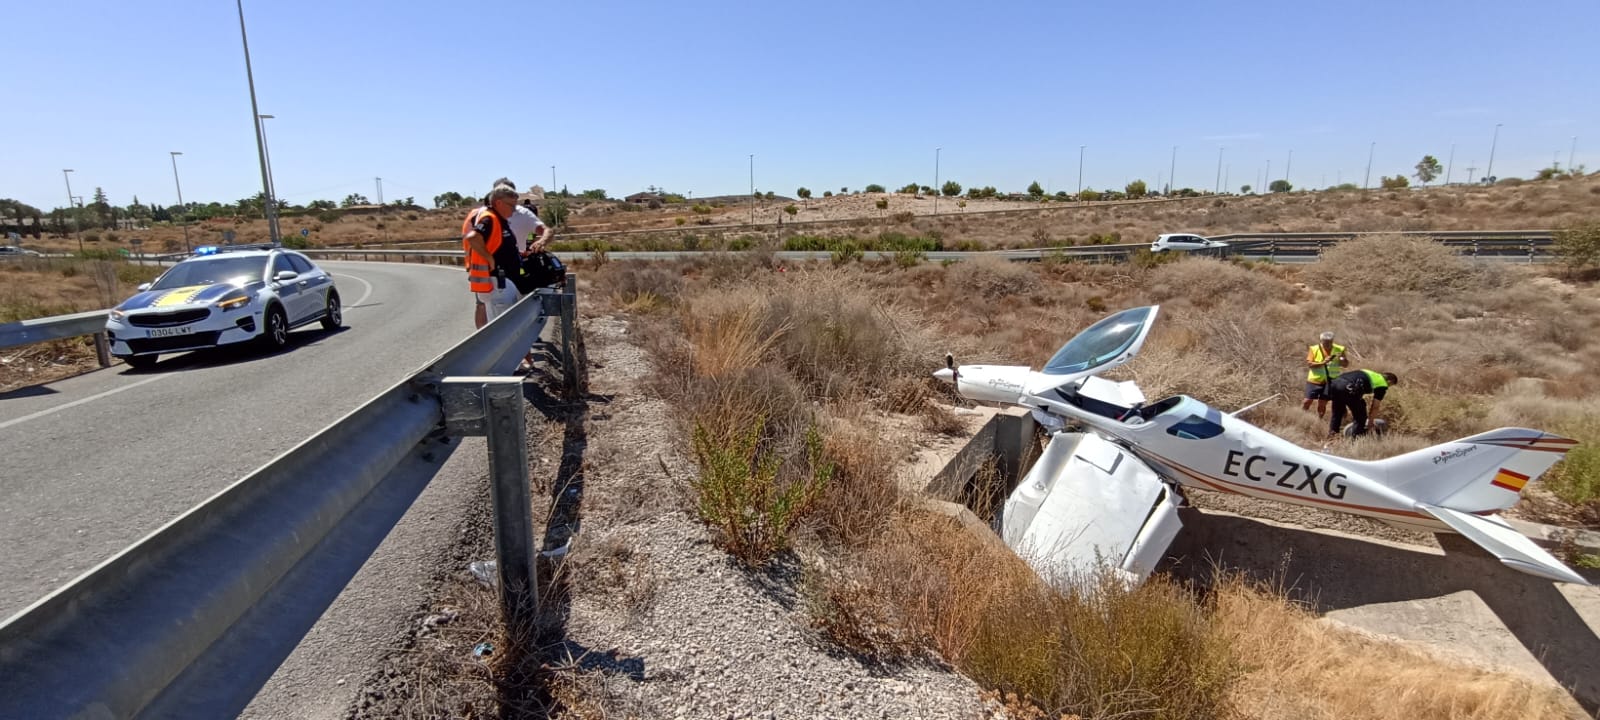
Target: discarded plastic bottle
482 649
486 571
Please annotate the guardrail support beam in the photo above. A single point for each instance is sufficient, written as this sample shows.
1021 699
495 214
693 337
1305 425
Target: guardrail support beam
102 349
493 407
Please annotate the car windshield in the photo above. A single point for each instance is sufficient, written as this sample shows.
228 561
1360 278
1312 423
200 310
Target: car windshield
1101 343
214 270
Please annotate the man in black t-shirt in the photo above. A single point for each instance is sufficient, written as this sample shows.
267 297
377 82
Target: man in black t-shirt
1346 390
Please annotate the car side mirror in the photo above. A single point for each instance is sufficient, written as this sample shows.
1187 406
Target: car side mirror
144 286
285 276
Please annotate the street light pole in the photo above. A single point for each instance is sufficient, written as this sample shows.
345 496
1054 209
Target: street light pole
1570 153
1367 181
936 180
1286 166
1450 164
272 184
1489 173
184 210
1172 172
1080 172
552 180
261 148
77 222
1219 171
752 188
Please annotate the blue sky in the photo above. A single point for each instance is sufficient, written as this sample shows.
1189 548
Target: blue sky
434 97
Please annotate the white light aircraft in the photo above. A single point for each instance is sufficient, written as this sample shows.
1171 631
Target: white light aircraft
1112 494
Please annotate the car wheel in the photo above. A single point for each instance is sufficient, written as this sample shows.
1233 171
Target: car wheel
141 362
275 335
334 317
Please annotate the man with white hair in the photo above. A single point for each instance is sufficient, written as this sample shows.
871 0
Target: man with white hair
1326 361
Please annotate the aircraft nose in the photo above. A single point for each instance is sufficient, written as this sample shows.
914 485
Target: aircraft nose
945 374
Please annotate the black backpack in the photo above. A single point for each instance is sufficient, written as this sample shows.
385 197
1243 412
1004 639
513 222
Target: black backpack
540 270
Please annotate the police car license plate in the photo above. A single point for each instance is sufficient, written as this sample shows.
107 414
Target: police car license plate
171 331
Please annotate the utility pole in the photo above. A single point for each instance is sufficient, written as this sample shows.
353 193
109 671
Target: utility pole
752 188
184 222
1450 164
1570 153
1469 174
1286 167
261 148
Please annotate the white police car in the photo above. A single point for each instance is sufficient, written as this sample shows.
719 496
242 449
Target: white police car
222 297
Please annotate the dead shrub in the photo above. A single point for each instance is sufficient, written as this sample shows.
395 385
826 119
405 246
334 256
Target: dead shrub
992 278
1207 282
1389 263
640 286
858 503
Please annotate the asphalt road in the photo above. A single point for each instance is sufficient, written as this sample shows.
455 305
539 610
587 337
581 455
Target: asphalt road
93 463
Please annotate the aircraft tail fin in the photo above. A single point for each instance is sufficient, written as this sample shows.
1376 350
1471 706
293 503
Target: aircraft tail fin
1485 472
1504 542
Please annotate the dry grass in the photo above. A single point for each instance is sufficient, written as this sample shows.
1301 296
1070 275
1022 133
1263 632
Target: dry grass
842 346
1302 667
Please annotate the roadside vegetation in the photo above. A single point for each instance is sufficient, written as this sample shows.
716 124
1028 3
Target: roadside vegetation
798 388
41 287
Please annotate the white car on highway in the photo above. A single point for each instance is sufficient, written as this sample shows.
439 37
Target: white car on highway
222 297
1184 241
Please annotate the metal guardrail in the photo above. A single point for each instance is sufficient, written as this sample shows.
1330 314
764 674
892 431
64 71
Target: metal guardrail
1530 244
193 619
60 327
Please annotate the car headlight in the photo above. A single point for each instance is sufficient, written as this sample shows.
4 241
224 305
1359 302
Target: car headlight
118 315
234 300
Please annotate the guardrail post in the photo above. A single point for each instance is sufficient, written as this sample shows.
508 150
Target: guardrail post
492 406
569 319
102 349
1530 251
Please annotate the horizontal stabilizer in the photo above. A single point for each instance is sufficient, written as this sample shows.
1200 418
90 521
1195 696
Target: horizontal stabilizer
1504 542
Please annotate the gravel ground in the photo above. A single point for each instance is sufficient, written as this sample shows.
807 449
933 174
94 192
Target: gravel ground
665 625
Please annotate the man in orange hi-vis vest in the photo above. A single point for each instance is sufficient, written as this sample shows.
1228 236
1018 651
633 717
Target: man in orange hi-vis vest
492 255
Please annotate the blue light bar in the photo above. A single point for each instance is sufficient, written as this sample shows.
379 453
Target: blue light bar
205 250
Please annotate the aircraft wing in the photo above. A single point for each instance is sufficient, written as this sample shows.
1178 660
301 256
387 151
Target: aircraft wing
1086 504
1504 542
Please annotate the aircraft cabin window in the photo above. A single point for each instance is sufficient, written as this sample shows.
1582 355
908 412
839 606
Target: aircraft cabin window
1195 427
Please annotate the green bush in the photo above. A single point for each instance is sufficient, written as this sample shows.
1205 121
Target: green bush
740 494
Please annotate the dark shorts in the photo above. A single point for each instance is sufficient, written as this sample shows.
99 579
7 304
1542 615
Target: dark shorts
1316 392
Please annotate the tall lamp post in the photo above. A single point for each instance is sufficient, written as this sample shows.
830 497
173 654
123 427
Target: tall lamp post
1080 172
1172 173
272 185
1218 189
752 188
184 210
261 148
552 180
1488 174
936 180
1450 164
1366 182
1570 153
77 222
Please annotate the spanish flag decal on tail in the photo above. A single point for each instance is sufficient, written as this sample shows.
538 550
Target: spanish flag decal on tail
1509 480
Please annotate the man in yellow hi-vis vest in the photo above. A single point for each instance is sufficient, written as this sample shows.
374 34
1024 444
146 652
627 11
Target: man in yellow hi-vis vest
1326 361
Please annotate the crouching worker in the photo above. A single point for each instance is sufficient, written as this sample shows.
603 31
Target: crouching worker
493 262
1346 392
